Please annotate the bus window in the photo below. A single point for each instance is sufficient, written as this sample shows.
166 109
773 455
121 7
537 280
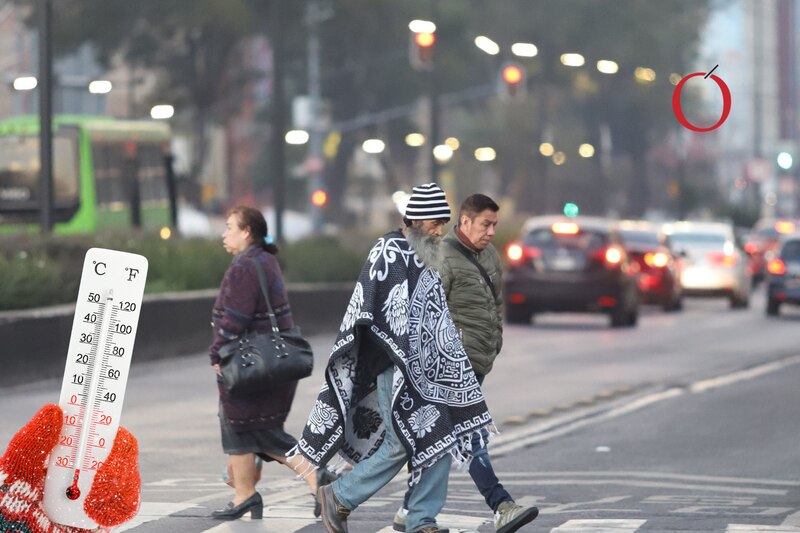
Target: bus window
152 174
107 158
20 173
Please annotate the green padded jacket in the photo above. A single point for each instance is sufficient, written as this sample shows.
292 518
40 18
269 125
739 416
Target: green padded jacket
477 314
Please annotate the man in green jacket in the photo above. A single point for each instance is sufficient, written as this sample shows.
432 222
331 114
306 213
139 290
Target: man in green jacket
472 277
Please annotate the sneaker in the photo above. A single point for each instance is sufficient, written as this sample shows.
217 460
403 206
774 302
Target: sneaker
399 523
510 516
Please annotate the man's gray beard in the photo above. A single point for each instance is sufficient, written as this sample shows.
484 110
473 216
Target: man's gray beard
426 246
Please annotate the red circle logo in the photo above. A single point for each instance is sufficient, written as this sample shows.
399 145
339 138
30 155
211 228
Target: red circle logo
726 103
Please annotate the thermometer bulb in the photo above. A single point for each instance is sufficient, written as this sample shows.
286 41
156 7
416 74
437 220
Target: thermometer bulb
73 492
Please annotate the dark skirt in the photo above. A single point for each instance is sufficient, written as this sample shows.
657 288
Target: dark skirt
274 441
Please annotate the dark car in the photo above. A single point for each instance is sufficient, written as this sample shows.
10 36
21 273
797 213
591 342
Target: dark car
570 265
783 275
659 269
763 240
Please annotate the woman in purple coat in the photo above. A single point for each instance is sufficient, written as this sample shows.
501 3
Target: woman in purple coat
252 424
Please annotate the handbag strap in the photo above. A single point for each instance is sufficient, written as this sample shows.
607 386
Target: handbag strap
262 280
461 248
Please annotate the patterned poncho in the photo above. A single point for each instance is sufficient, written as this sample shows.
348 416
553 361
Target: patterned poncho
437 403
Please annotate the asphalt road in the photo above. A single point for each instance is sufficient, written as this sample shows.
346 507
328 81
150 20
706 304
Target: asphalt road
685 423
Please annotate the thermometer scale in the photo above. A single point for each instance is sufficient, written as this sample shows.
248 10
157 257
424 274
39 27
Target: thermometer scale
95 377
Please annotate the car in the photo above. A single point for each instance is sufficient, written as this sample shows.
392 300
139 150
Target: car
764 239
563 264
713 263
783 275
659 269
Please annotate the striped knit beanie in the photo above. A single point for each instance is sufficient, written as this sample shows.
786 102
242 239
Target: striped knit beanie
427 202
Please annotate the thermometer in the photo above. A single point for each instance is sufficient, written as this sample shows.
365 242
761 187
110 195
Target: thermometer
96 373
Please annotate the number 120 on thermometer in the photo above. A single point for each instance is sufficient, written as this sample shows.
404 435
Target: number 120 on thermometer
96 373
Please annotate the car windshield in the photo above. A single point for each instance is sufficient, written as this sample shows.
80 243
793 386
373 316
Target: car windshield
641 238
791 251
583 240
699 240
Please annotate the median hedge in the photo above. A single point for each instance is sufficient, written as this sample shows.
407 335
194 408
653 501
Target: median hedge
36 271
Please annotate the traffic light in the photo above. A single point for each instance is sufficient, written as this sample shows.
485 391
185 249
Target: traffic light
319 198
512 84
420 50
571 209
785 161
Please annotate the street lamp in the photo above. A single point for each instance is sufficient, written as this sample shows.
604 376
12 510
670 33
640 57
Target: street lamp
373 146
25 83
443 153
162 112
606 66
572 60
296 137
487 45
415 139
524 49
100 87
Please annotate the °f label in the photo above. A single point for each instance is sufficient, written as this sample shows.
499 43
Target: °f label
95 376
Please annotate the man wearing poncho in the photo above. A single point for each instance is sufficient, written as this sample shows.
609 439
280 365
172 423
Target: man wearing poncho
398 386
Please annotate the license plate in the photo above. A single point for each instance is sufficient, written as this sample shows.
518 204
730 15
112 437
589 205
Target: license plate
563 263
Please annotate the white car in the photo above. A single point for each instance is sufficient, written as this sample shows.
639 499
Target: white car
713 263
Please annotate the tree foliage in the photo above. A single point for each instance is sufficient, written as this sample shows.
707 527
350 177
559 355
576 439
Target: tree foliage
193 45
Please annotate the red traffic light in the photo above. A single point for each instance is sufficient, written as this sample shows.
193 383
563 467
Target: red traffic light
420 50
319 198
511 84
424 39
512 74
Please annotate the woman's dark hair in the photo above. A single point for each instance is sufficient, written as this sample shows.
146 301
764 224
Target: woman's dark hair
252 218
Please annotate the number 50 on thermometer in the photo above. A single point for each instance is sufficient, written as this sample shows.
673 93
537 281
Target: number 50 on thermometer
95 376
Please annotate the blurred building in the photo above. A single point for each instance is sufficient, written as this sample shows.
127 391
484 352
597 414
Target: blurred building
72 72
754 42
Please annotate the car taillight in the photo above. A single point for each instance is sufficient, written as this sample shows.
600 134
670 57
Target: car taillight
721 258
656 259
751 248
517 253
776 267
613 256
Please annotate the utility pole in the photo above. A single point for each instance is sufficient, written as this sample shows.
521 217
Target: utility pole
315 15
278 118
44 20
434 99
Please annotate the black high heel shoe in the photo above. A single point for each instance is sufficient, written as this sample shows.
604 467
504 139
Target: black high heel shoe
254 504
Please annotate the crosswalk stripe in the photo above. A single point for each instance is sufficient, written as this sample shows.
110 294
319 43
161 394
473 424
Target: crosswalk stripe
750 528
284 518
599 526
151 511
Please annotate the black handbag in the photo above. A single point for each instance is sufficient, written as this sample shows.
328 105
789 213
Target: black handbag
255 361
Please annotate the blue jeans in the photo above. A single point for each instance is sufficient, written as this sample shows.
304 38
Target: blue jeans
374 472
481 471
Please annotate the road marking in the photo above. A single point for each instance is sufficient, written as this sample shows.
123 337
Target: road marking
151 511
646 474
559 426
742 375
792 520
751 528
599 526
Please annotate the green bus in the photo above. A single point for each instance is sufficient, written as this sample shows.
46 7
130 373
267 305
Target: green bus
107 174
